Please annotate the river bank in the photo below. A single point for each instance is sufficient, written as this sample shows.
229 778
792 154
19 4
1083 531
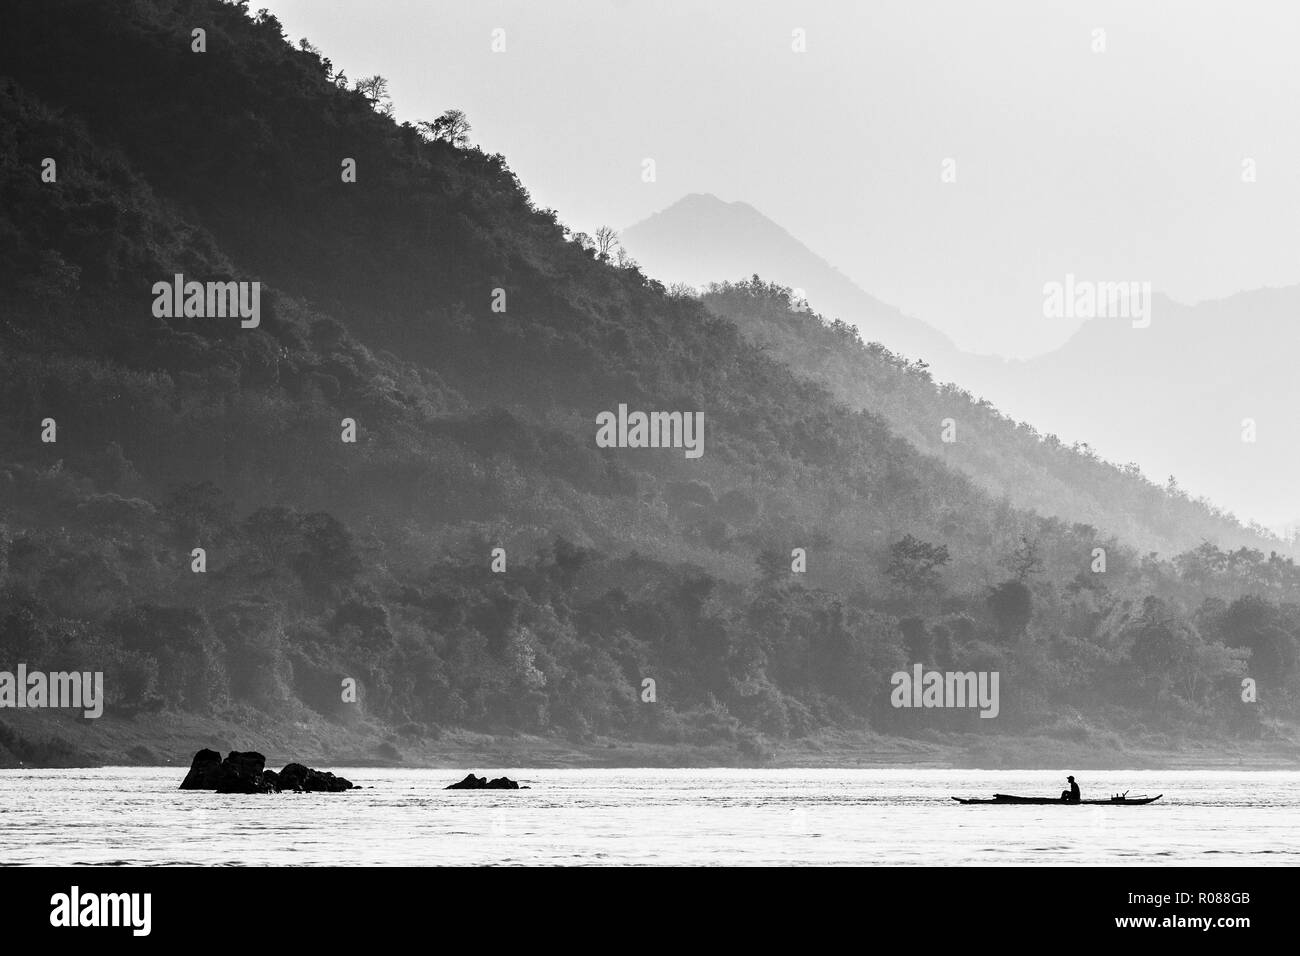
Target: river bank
45 739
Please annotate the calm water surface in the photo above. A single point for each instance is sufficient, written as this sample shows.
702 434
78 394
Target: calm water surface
137 816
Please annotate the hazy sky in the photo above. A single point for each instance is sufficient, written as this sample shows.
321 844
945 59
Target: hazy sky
1119 165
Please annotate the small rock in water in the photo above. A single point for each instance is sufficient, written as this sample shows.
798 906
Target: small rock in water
472 782
302 779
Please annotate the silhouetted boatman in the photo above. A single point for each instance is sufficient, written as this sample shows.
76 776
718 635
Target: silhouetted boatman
1072 795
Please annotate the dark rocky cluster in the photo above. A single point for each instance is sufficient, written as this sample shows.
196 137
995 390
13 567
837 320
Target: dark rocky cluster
245 772
472 782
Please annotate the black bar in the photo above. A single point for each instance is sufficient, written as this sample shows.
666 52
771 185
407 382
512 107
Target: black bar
973 906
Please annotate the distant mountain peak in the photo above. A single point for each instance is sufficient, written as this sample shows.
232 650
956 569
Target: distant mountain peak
701 238
707 204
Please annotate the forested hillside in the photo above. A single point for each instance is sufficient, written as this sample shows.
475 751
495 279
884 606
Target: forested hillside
1035 470
471 341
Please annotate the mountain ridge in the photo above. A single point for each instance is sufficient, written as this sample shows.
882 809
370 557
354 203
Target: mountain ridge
1064 390
771 251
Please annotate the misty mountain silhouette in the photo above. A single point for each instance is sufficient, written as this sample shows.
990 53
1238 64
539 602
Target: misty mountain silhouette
1172 396
701 239
1177 395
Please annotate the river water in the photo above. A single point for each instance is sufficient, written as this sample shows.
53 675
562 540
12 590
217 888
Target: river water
693 817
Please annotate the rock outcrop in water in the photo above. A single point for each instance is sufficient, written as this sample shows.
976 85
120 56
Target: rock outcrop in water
306 780
245 772
203 771
472 782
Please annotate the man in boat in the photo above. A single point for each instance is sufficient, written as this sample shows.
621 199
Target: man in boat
1072 795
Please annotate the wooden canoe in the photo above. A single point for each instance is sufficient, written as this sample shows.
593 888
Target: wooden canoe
1012 800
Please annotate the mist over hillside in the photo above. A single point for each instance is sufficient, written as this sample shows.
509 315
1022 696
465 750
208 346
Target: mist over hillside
393 473
1011 459
1203 394
1206 394
701 239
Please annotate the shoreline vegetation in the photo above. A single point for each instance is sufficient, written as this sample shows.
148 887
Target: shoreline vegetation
44 741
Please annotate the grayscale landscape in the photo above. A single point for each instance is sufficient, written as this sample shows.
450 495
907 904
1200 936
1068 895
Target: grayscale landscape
857 406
